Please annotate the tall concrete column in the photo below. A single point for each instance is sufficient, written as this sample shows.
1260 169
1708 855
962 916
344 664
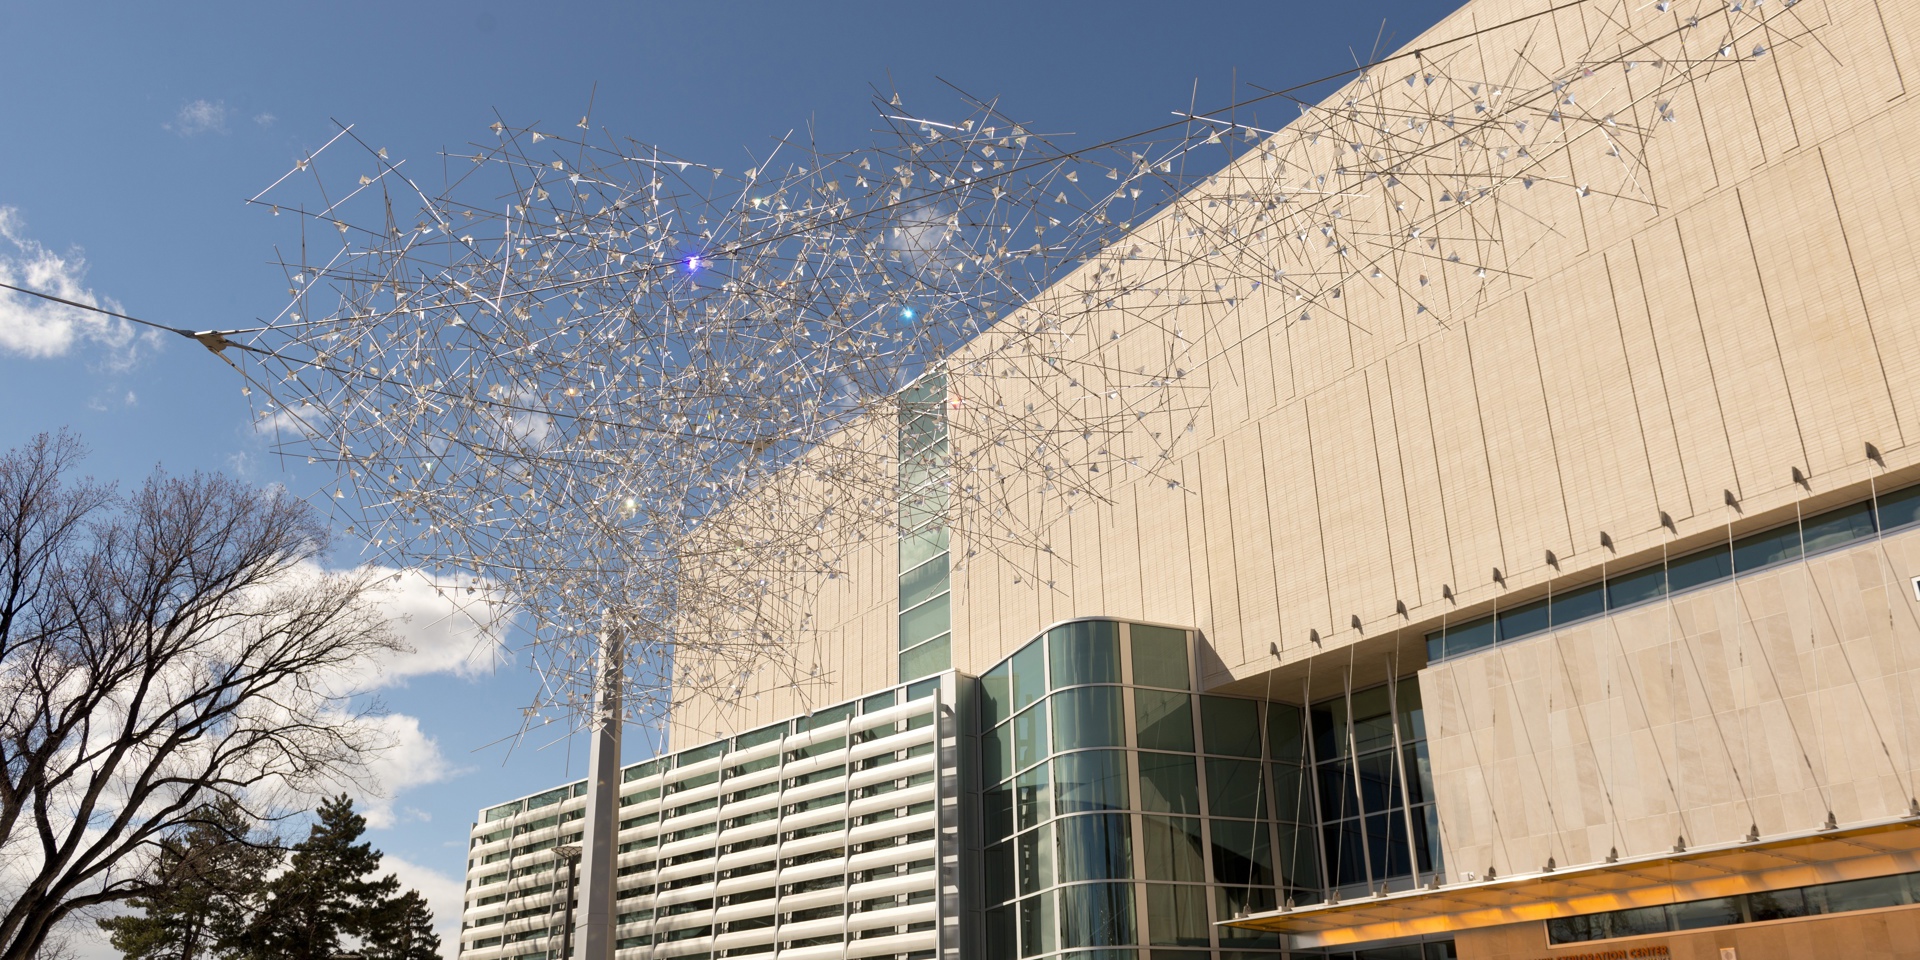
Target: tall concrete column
597 846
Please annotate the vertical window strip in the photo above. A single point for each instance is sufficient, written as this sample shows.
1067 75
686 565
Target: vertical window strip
925 617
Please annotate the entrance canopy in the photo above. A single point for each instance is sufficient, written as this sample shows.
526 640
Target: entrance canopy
1776 863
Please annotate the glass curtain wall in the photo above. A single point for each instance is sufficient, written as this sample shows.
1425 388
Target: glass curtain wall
1373 783
926 613
1122 810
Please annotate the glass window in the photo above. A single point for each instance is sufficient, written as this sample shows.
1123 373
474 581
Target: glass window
1169 784
1029 676
1095 847
923 582
1704 913
996 812
918 548
996 753
1836 527
1002 941
998 882
1298 859
927 658
1467 637
1632 588
1286 740
1634 923
1230 726
1085 652
1173 849
1291 801
1763 549
1579 604
1163 720
1036 925
996 695
1087 717
1234 788
1096 915
1776 905
1701 567
1240 853
1524 620
1032 801
926 621
1864 894
1159 656
1029 738
1176 916
1372 719
1900 508
766 735
1034 856
1577 929
1089 782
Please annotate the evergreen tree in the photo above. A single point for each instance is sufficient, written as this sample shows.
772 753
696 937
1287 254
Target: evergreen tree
404 931
329 894
203 877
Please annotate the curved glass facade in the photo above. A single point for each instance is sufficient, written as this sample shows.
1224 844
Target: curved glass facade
1123 813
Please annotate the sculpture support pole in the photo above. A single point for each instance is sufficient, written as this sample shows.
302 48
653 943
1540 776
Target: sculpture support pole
603 803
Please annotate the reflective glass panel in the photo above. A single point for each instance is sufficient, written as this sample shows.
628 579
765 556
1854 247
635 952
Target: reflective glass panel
1029 738
1864 894
1634 923
1299 860
927 658
1034 855
1096 915
996 812
1159 656
1776 905
1095 847
1632 588
1240 853
1087 717
1837 527
1036 925
1176 916
1467 637
1579 604
1234 788
1173 849
1002 940
1769 547
1230 902
1705 913
1163 720
1900 508
1524 621
1029 676
1085 652
1032 800
1169 783
1230 726
998 882
1286 739
1091 781
923 582
996 753
926 621
1702 567
996 695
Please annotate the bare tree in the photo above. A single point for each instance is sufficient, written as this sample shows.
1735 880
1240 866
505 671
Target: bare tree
158 652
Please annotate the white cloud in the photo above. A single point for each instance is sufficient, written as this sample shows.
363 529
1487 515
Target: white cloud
453 625
32 327
200 116
410 759
264 119
445 895
305 420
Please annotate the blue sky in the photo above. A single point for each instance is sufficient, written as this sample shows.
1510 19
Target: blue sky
130 134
